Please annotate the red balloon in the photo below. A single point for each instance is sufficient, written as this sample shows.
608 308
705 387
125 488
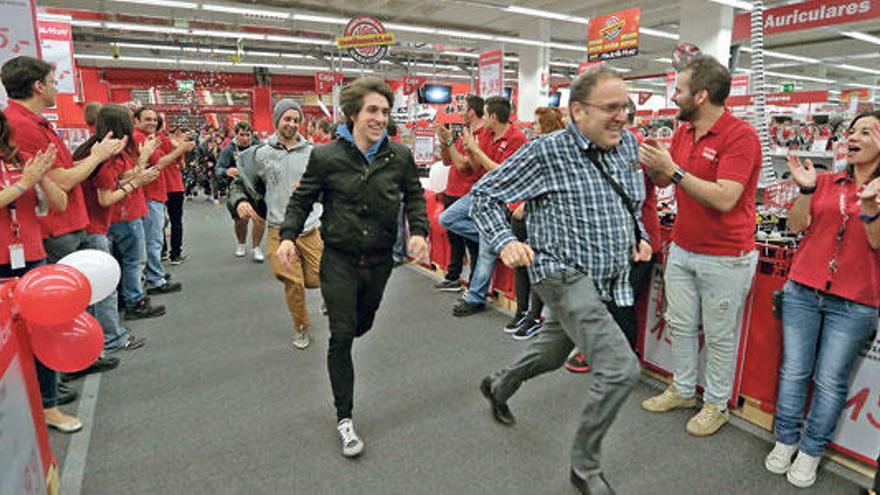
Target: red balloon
68 347
52 294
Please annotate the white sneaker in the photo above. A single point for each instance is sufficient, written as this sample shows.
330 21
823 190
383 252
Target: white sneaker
778 461
301 340
352 445
802 472
240 251
258 255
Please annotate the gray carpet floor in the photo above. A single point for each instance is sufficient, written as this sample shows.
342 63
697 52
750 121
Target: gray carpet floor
219 402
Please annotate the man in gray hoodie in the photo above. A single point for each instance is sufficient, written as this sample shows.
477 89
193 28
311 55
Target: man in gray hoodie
270 173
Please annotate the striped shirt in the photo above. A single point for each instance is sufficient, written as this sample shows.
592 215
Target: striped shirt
573 216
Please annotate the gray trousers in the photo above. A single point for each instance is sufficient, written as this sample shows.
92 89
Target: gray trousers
577 316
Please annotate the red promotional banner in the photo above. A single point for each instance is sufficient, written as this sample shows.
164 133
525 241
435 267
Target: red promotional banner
324 81
412 83
614 35
806 15
56 46
781 98
491 73
861 94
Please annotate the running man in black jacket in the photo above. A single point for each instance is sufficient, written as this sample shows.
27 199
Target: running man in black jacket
359 178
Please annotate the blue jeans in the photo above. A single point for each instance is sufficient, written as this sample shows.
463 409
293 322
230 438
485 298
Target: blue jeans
457 218
154 224
128 242
822 336
106 310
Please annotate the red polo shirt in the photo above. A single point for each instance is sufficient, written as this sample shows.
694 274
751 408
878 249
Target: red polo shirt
857 277
33 133
154 191
134 205
171 173
460 182
30 235
501 148
729 151
105 178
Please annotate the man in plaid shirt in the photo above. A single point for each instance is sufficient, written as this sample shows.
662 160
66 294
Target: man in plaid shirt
581 239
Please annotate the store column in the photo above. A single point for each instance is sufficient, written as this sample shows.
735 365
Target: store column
712 32
534 70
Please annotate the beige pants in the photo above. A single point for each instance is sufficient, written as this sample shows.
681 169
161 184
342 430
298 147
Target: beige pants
305 273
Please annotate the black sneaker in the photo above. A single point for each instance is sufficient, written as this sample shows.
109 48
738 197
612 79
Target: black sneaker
178 261
102 364
514 323
164 258
131 344
448 285
66 395
166 288
527 330
464 308
144 310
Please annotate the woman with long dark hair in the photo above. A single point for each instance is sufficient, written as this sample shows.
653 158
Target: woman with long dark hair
26 192
104 193
831 301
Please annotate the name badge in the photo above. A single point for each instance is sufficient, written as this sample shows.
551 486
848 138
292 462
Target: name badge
710 154
16 256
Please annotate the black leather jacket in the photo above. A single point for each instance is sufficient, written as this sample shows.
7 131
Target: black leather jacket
361 200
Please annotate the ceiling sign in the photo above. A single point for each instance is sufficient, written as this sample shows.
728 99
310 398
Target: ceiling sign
491 73
366 40
781 98
613 36
806 15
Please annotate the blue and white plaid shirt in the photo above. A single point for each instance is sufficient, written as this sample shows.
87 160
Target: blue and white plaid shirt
574 218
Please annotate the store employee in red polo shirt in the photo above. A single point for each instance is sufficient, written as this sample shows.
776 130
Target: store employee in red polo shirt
30 84
499 140
146 124
463 172
715 162
174 188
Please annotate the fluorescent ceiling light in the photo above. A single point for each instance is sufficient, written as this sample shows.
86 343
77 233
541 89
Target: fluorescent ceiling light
738 4
310 68
442 76
664 60
410 29
784 56
83 23
125 26
861 36
162 3
320 18
548 15
455 53
297 39
856 68
565 64
798 77
566 46
657 33
245 11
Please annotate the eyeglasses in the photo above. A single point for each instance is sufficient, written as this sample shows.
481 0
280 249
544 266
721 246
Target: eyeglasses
611 108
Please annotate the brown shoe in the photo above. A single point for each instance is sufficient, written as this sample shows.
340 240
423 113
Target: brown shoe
668 400
61 422
709 420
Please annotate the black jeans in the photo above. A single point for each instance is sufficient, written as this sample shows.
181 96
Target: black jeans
175 217
457 245
46 377
625 316
352 287
526 298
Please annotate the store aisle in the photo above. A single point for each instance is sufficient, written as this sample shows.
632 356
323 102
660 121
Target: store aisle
219 402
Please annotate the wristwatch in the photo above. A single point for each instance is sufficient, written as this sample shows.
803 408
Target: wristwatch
808 189
869 218
678 175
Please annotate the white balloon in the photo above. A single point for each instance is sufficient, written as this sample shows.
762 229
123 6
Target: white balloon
99 267
438 176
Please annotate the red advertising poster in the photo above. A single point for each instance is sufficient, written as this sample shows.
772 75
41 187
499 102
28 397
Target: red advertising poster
18 34
614 36
781 98
491 73
423 146
56 45
412 83
860 94
739 85
324 81
807 15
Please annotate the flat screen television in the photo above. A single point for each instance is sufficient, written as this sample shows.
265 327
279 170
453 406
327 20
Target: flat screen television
554 99
435 94
508 94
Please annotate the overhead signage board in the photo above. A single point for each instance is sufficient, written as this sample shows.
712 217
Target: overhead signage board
613 36
807 15
366 40
491 73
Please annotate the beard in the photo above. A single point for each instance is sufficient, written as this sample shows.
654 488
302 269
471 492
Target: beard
287 133
686 114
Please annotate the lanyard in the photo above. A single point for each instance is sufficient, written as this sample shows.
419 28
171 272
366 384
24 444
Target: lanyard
844 215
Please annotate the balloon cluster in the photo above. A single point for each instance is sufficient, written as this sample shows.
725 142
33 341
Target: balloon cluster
52 299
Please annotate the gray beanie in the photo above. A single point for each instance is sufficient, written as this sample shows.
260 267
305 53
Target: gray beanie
282 106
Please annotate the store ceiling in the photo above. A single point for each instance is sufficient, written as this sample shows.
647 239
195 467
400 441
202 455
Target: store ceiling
437 38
